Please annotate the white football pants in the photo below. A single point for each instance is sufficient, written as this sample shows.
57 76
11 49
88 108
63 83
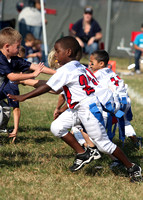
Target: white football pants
94 128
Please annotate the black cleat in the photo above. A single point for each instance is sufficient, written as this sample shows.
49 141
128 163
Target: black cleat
135 173
81 160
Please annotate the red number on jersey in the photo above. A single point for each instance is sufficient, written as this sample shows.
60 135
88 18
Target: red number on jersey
116 81
83 82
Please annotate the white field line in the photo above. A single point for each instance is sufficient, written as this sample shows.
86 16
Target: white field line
135 95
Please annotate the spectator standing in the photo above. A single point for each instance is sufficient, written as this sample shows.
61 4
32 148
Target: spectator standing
30 20
37 50
87 31
138 45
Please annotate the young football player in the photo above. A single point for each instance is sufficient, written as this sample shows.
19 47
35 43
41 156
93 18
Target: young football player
79 90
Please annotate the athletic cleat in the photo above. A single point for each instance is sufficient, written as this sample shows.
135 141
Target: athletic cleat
81 160
135 173
3 130
95 153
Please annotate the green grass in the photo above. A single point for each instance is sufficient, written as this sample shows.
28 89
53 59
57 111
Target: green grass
36 166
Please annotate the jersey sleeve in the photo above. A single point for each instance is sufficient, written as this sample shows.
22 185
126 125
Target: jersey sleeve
59 79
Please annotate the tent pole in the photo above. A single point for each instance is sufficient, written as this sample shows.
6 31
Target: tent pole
44 30
107 35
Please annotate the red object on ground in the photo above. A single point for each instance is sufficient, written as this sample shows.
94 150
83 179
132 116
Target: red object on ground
112 65
50 11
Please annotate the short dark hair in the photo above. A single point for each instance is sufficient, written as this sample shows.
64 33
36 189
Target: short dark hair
69 42
101 55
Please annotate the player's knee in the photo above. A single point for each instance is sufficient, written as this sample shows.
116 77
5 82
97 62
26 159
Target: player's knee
57 129
107 148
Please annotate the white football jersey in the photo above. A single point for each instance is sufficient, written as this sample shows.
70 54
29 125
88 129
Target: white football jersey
74 80
107 77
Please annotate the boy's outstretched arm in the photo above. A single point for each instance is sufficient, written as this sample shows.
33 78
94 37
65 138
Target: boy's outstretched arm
20 76
45 70
34 93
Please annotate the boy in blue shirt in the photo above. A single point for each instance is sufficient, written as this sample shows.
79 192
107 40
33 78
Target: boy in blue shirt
138 45
10 66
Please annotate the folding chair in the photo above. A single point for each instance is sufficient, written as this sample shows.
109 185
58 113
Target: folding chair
129 50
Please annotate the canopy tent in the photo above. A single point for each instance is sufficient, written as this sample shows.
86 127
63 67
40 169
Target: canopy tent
124 17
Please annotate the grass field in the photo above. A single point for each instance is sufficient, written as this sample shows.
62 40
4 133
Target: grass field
36 167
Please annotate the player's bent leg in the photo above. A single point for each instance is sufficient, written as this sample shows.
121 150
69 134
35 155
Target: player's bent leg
61 125
97 133
59 128
133 169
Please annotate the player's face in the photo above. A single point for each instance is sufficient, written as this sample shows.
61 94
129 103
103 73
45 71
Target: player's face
13 49
94 65
61 54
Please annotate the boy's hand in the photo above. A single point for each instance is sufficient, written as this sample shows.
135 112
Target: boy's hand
56 113
19 98
38 70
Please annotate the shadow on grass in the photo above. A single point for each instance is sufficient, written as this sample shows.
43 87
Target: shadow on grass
43 140
18 158
13 164
29 128
67 156
20 139
8 158
102 170
25 139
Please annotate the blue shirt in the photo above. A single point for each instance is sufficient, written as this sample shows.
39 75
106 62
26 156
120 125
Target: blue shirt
79 29
16 65
139 40
28 50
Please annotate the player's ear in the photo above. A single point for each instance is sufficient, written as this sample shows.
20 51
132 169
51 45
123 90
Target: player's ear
69 52
101 63
6 46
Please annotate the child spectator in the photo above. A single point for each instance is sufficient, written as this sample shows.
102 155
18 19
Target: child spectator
22 52
37 51
73 79
10 66
52 61
29 43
